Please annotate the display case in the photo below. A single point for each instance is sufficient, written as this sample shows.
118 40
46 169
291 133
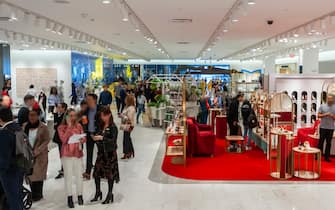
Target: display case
245 82
273 111
176 132
307 92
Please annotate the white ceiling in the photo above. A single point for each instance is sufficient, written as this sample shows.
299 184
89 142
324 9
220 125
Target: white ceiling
156 15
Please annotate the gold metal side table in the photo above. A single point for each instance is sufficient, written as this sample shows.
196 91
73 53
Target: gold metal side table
307 170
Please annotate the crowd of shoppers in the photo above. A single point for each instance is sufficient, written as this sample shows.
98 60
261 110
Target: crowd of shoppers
76 133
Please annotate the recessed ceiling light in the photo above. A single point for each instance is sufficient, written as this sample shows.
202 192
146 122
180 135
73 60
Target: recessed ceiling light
137 30
124 53
125 19
234 20
43 48
225 30
106 2
296 35
251 2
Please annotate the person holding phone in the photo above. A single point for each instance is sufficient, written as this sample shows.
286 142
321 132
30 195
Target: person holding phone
72 155
106 165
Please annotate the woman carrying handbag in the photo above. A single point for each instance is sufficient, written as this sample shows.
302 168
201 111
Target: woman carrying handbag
128 122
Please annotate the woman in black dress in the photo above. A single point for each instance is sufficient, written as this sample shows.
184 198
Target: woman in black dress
106 165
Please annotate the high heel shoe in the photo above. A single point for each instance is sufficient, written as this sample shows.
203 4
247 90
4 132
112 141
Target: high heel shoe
125 156
132 154
70 202
109 198
80 200
98 196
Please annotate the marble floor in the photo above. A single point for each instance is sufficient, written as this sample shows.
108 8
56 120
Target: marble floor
144 187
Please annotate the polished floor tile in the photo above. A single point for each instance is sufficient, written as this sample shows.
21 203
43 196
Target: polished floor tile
144 186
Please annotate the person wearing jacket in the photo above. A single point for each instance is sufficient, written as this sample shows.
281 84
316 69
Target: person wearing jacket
39 138
72 155
234 114
11 177
106 165
106 97
246 111
92 126
58 118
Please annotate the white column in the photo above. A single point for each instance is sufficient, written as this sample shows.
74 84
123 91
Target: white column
310 61
269 69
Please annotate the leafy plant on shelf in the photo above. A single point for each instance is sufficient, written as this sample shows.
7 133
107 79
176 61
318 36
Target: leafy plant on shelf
160 99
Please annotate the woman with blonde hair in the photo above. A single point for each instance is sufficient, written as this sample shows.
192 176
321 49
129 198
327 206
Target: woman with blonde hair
72 154
128 122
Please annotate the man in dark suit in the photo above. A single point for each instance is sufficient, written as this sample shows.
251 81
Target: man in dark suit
11 177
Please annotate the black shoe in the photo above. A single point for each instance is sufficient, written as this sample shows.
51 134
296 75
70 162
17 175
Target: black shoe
98 196
328 160
60 175
80 200
70 202
35 199
109 198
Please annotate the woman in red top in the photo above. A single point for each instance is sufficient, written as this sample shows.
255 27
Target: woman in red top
72 154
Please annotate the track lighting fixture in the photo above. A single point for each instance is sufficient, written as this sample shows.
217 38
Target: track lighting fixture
54 29
61 30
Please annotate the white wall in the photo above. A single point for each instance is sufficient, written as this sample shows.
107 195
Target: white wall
60 60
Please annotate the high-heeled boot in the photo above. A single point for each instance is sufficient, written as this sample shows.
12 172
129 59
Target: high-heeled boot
98 196
109 198
70 202
80 200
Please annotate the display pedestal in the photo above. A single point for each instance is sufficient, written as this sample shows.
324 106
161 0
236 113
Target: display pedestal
281 158
212 116
221 126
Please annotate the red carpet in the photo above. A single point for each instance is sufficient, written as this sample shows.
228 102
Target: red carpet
249 166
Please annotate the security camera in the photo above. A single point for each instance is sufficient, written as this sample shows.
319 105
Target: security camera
270 22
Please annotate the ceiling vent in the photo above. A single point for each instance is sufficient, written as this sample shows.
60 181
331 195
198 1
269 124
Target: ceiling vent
181 20
62 1
183 43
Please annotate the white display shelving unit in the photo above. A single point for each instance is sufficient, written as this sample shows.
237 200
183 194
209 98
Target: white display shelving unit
306 92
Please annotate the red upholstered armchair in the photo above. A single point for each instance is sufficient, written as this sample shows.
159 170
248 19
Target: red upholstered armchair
304 132
202 127
200 142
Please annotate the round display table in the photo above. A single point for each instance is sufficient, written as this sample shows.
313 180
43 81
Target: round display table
307 163
221 126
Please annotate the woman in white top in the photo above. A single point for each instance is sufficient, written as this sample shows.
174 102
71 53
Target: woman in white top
128 122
